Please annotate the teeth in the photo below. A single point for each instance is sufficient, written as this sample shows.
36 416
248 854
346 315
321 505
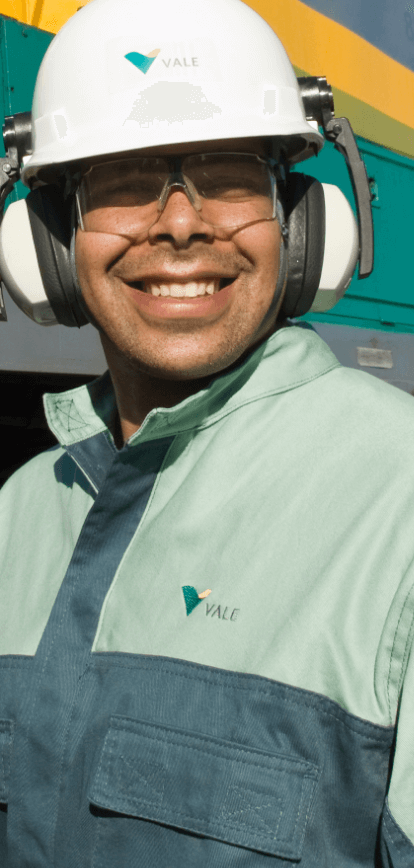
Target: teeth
192 289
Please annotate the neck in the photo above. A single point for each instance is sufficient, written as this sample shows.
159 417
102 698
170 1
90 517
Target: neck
137 393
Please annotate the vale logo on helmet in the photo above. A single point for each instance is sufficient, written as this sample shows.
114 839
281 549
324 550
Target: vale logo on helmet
143 62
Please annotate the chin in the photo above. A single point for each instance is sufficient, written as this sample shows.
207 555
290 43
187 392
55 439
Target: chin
183 359
183 371
179 366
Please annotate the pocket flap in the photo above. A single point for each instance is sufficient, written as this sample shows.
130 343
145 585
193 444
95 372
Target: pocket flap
6 744
205 785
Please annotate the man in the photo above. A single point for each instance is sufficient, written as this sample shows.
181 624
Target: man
207 588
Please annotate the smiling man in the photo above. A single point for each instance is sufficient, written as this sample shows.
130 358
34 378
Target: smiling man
183 289
207 587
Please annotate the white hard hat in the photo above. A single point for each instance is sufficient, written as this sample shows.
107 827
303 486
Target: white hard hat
123 75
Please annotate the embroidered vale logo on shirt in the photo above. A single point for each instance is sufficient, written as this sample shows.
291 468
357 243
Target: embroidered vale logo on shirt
223 613
192 598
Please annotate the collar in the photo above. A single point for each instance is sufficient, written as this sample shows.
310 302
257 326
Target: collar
291 357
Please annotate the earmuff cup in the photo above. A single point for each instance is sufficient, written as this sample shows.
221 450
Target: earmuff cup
304 203
50 219
45 228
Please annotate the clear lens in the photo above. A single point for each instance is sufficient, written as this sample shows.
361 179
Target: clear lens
231 178
126 197
121 197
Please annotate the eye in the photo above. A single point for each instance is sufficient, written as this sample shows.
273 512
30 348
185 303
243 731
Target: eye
126 184
232 178
126 192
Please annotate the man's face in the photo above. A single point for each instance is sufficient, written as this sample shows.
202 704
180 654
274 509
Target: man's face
178 338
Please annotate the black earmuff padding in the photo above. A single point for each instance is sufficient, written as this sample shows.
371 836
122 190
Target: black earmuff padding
305 217
50 221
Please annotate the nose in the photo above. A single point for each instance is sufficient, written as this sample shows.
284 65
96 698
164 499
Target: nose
179 222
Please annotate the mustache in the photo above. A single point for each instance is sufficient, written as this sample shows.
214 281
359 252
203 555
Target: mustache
133 263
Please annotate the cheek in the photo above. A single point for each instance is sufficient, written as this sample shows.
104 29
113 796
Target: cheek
264 304
260 245
262 248
268 250
95 252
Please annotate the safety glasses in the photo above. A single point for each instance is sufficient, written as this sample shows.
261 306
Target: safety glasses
126 197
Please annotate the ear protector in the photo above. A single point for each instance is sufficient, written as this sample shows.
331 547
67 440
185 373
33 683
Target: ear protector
35 258
38 268
321 240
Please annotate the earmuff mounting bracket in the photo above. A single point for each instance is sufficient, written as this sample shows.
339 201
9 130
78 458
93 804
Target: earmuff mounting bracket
17 137
9 174
318 103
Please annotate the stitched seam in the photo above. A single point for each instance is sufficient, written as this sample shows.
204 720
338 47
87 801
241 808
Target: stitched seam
215 827
17 664
305 767
105 767
290 700
77 581
300 806
133 539
68 441
82 470
10 736
75 585
3 772
221 819
406 654
387 824
85 667
156 800
87 468
211 825
393 651
268 394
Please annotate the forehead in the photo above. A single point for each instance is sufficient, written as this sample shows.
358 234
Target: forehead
251 145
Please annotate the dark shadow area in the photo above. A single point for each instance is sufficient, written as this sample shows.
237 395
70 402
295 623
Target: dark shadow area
23 429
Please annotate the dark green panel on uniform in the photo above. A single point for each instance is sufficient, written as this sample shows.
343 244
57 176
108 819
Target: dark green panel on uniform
387 296
21 51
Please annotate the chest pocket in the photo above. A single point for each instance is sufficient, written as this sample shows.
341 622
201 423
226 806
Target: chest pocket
203 786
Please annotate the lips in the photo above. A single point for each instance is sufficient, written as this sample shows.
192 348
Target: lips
171 287
204 297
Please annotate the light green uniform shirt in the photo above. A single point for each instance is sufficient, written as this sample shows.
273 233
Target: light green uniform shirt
287 492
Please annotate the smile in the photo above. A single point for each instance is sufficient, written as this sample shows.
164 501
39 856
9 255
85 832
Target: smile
169 298
184 289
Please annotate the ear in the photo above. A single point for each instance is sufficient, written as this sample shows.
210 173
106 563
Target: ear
35 239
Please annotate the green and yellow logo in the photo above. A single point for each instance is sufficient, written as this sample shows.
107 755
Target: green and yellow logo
143 62
192 598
